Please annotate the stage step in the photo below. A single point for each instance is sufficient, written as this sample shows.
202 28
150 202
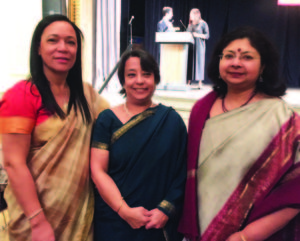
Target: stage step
182 105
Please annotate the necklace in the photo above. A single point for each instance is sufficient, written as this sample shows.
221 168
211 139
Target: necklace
250 98
126 110
131 114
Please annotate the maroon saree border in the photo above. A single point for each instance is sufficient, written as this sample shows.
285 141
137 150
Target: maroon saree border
200 112
270 167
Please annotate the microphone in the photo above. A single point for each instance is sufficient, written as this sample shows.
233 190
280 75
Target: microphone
182 24
132 17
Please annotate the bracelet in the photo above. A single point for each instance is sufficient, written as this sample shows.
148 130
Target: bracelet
35 214
120 205
243 237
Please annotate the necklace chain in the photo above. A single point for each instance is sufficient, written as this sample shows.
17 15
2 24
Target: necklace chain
250 98
128 112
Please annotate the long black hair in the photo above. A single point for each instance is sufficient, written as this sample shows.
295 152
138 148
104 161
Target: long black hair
271 85
74 78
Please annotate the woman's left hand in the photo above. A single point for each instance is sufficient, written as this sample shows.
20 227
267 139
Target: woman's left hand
157 219
266 226
235 237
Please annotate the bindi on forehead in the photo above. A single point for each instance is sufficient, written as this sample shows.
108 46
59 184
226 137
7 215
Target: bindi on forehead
239 50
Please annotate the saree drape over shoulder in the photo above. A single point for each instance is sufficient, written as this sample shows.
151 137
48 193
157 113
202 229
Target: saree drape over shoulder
58 161
147 162
242 165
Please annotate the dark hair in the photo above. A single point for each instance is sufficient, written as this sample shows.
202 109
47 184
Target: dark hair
74 78
148 64
166 10
271 85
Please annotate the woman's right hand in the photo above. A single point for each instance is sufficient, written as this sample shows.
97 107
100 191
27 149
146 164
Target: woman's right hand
135 217
110 193
41 229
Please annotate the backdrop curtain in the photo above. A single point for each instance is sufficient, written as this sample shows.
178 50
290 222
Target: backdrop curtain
280 23
108 24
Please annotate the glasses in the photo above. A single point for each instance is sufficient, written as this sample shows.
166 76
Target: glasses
229 57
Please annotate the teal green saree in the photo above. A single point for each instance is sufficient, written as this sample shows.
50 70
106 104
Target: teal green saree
147 161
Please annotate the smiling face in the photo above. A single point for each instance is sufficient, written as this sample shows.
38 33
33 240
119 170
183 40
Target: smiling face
139 84
240 65
58 48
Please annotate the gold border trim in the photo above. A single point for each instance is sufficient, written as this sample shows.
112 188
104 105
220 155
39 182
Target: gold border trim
116 135
100 145
4 221
169 207
19 125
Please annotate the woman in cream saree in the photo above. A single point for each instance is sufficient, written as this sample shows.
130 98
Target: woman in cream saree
243 163
240 182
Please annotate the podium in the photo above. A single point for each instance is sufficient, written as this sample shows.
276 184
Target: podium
173 59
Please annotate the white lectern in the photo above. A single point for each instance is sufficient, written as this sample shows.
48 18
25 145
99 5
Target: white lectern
173 58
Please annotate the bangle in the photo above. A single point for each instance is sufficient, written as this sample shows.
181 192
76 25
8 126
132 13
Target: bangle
35 214
120 205
243 237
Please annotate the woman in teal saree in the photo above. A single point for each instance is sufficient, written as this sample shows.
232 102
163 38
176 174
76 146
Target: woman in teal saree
138 160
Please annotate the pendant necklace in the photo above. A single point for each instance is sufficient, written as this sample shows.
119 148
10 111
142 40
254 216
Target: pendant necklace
250 98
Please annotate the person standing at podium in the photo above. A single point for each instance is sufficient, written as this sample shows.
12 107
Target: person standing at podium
199 28
165 24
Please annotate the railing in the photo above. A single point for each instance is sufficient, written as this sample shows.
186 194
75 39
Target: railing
106 81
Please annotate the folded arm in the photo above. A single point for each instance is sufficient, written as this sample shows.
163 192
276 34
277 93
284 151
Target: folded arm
266 226
172 203
110 193
199 35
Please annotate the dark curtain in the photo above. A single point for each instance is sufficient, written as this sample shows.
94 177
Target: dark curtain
125 17
280 23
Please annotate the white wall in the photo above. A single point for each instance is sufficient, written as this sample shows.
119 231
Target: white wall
18 19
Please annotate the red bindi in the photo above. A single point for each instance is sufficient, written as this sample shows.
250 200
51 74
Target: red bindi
239 50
